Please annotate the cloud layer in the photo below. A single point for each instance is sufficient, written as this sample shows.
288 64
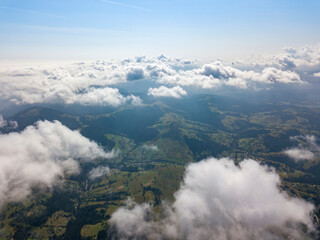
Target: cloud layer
219 200
40 156
91 83
81 82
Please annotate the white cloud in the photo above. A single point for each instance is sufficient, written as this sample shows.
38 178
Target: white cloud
190 78
306 152
299 154
136 101
3 122
219 200
268 75
290 50
151 147
217 74
162 91
101 97
68 83
40 155
237 82
316 74
272 75
10 124
99 172
303 58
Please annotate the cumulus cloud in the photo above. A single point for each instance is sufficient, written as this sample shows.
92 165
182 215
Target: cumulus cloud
290 50
306 149
237 82
217 74
41 155
272 75
299 154
10 124
316 74
98 172
3 122
103 97
74 82
220 200
304 58
71 82
163 91
151 147
136 101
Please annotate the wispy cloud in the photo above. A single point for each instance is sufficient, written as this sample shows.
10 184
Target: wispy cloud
64 29
125 5
31 12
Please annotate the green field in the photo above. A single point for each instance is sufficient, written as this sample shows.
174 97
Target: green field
179 134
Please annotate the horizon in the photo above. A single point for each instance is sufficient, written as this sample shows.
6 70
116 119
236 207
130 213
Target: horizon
89 30
150 120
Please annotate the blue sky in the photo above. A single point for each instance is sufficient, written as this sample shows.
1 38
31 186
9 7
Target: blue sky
95 29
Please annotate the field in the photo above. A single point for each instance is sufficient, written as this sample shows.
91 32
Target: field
155 143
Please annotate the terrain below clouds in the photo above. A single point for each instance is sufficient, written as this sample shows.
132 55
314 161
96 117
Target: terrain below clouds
199 150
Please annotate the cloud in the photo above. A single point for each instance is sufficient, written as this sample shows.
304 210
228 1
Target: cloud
150 147
190 78
217 74
72 83
290 50
306 149
98 172
125 5
31 12
175 92
304 58
272 75
316 74
10 124
3 122
103 97
136 101
237 82
309 139
220 200
299 154
41 155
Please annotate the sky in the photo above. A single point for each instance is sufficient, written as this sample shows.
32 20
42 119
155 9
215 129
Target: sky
204 29
196 37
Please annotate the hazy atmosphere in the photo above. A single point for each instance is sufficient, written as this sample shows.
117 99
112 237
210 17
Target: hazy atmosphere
175 119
